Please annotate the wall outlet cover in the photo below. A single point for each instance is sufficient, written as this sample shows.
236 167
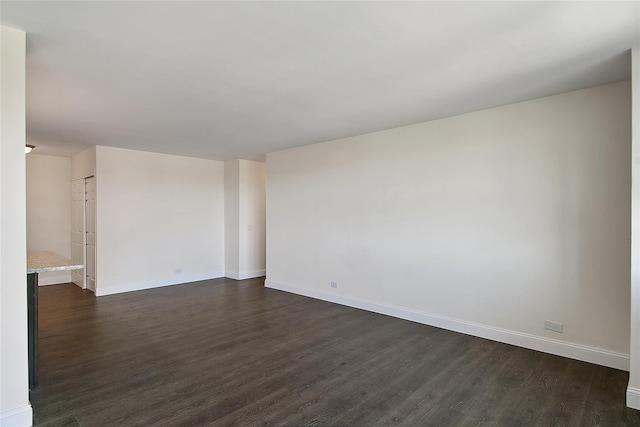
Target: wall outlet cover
553 326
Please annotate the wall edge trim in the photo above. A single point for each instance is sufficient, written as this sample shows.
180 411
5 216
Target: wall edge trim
244 275
22 416
633 397
101 291
560 348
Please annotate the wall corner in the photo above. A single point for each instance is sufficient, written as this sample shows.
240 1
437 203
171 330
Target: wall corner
633 390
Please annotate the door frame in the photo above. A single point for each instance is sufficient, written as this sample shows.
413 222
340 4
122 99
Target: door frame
86 231
79 277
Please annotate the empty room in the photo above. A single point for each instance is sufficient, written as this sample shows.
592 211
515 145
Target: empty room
320 213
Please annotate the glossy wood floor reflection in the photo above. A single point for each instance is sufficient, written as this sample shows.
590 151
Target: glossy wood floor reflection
223 352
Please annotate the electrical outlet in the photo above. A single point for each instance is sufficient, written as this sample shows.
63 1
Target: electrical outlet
177 271
553 326
334 284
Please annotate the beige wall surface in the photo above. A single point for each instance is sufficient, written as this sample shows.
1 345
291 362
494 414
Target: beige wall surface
251 218
245 227
503 218
160 219
633 392
83 164
49 210
15 409
231 213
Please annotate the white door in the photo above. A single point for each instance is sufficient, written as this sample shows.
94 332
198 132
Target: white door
77 230
90 233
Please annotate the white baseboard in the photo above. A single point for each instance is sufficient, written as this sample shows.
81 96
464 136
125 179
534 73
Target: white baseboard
54 278
633 397
110 290
245 275
20 417
533 342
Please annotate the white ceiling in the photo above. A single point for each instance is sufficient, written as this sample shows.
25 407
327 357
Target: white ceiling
226 80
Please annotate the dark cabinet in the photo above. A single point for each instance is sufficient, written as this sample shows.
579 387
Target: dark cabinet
32 325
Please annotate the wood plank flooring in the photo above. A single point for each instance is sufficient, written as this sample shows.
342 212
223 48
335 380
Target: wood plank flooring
232 353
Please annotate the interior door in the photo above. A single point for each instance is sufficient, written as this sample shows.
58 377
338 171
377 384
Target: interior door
90 233
77 230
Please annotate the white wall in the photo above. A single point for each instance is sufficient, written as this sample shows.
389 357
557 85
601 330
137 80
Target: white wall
231 217
487 223
252 222
245 224
49 210
157 213
633 391
83 164
15 409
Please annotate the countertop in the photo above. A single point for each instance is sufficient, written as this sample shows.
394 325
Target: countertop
41 261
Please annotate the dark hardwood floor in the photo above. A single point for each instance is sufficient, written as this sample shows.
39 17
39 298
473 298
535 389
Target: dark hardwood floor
223 352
